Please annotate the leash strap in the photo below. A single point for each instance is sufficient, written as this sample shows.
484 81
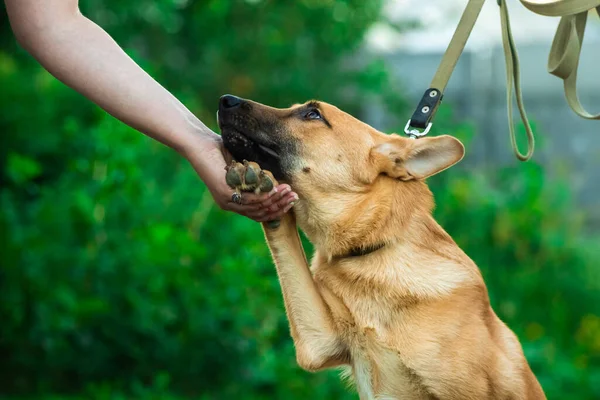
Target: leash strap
432 97
563 61
420 122
513 78
559 8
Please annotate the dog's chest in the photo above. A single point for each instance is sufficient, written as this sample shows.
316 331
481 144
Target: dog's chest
362 374
377 371
379 374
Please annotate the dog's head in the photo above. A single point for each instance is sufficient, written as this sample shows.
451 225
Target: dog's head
316 146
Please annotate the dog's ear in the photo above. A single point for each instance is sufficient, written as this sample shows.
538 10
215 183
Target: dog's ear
408 159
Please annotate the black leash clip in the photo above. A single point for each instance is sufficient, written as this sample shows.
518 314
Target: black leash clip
420 122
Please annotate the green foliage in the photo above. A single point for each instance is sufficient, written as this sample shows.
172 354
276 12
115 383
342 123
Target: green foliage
120 279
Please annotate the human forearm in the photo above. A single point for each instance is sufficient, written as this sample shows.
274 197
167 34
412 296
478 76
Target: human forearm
86 58
83 56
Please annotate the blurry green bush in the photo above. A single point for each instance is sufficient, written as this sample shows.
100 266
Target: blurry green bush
119 275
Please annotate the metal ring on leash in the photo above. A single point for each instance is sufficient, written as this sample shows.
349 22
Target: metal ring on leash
414 133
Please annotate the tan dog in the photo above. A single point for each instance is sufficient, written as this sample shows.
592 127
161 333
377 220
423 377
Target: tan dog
391 297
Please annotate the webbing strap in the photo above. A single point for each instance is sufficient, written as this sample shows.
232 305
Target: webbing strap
559 8
430 101
432 97
457 45
563 61
513 78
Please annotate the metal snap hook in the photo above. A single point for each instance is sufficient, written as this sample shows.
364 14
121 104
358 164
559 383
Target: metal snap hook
414 133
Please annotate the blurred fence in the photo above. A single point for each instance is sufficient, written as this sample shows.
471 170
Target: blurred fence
567 144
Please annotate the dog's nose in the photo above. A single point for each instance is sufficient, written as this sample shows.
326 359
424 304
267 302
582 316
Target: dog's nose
230 101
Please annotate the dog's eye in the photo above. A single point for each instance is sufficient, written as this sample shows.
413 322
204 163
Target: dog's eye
313 114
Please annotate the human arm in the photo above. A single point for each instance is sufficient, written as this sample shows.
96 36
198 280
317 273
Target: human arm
83 56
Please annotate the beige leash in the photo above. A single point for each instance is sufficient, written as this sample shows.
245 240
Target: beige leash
563 62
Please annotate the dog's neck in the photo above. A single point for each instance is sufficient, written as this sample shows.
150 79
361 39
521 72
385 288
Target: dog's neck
389 212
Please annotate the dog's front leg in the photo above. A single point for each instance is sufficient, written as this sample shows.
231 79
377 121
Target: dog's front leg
317 343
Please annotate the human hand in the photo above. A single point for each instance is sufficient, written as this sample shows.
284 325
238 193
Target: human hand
209 160
262 207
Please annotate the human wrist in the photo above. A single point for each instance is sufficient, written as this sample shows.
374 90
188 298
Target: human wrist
198 140
206 154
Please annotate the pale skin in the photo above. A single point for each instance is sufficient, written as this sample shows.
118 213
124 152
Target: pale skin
84 57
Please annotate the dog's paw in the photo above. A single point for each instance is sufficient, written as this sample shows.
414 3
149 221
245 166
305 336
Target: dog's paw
234 175
249 177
